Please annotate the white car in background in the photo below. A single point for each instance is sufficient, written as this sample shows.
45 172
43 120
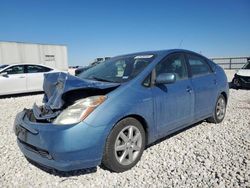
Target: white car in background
242 77
22 78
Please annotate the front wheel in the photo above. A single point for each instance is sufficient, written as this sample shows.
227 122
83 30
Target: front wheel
219 110
236 83
124 145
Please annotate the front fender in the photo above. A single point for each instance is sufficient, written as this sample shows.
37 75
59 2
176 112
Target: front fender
130 102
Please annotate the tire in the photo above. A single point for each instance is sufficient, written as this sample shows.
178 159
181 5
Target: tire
219 110
124 146
236 83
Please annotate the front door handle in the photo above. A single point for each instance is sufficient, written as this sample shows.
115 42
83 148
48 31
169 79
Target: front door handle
21 76
189 89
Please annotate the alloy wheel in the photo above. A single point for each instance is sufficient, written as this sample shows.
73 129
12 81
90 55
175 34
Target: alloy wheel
128 145
221 108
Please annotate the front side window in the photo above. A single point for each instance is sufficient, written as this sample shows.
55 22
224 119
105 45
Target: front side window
36 69
198 65
18 69
173 64
147 81
119 69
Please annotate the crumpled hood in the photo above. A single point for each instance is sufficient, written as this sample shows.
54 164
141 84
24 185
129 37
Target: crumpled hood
57 84
243 72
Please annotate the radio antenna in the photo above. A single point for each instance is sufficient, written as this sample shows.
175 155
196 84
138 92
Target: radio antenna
180 43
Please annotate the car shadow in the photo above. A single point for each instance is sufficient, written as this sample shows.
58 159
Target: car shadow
174 134
62 173
20 95
232 86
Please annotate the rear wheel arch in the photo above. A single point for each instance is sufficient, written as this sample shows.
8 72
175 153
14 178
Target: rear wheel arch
224 95
219 109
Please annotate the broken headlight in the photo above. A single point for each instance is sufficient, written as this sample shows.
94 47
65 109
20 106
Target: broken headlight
79 110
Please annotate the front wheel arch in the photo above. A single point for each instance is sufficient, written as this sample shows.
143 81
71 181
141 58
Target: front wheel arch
139 118
142 121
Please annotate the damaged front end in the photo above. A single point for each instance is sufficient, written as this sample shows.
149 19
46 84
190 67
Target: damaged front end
63 91
67 101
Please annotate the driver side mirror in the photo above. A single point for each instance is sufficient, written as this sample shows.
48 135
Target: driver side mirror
165 78
4 74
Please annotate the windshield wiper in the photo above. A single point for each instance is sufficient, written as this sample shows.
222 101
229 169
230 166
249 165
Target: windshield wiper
101 79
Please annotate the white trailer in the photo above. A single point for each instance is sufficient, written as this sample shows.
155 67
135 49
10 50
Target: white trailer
46 54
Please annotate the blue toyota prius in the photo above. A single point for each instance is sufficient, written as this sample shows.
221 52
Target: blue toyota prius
110 112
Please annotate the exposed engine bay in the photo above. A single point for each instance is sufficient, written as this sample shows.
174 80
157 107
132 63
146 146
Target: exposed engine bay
63 90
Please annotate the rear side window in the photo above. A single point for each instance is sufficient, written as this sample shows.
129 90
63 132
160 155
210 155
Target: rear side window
18 69
198 65
37 68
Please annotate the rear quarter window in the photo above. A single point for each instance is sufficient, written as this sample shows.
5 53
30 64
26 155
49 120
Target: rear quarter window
198 65
37 69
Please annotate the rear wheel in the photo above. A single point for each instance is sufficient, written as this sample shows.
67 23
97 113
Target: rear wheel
219 111
124 146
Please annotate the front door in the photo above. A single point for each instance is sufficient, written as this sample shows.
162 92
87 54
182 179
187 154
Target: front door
35 77
14 81
173 103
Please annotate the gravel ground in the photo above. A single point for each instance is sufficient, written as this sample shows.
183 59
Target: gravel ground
205 155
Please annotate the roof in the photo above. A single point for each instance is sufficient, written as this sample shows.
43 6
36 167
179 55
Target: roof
160 52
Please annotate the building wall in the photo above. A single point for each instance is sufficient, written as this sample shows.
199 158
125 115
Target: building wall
18 53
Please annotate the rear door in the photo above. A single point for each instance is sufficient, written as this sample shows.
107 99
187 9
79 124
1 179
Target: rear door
14 81
205 85
173 103
35 77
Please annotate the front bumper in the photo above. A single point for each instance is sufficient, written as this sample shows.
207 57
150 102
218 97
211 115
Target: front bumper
65 148
241 81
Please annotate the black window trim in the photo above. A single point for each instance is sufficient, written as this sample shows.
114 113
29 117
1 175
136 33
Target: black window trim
201 57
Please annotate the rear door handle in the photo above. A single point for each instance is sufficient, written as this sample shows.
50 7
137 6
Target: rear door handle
215 81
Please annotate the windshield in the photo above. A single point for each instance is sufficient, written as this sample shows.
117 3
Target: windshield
119 69
3 66
247 66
